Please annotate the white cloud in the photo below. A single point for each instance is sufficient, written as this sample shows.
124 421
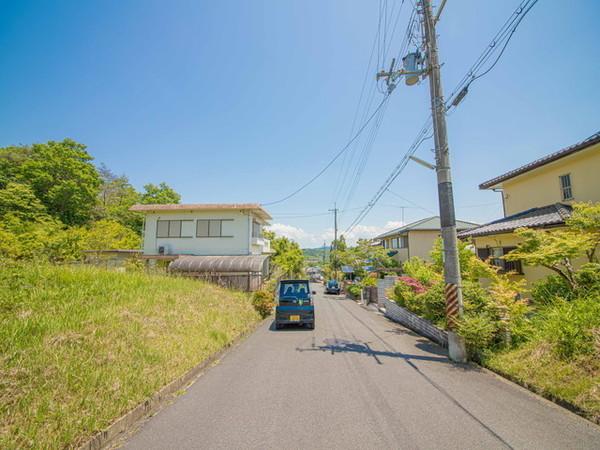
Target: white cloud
306 239
292 232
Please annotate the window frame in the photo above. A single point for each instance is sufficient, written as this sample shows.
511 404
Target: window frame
208 236
258 225
403 241
494 258
563 188
169 224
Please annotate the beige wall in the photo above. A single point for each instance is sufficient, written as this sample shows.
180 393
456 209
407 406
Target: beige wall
402 254
420 243
541 187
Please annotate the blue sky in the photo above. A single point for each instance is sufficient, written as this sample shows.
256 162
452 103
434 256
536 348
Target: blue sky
243 101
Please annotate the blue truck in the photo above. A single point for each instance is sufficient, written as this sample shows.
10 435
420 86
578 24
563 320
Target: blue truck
295 304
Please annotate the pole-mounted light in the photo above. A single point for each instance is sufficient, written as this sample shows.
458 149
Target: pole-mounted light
422 162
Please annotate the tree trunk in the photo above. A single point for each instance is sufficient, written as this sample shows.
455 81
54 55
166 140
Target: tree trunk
562 274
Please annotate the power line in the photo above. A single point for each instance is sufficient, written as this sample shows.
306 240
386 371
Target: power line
505 44
503 35
334 159
416 205
421 136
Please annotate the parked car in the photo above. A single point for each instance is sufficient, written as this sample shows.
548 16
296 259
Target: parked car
333 287
295 304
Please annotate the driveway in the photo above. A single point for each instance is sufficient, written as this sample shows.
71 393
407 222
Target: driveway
356 381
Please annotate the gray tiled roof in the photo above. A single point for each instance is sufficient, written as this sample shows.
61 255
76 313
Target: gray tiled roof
592 140
545 216
427 224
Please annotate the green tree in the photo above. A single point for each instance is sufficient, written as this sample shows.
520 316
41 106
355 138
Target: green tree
44 238
554 250
471 267
364 254
109 235
586 220
115 198
11 159
63 178
287 257
159 195
20 201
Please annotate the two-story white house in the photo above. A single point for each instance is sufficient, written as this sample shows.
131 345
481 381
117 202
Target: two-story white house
213 241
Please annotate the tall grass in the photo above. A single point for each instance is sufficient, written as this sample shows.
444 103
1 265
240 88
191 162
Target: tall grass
561 358
80 346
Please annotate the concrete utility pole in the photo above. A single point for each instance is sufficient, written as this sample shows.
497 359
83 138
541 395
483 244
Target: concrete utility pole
453 290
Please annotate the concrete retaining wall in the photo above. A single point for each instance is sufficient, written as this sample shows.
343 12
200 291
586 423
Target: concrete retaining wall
404 317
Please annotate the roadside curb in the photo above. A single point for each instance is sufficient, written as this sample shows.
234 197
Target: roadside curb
161 398
538 393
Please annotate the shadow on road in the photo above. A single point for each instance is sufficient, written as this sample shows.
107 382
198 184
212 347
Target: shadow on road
288 328
334 346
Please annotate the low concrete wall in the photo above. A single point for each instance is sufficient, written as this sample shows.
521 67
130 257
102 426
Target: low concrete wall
404 317
382 286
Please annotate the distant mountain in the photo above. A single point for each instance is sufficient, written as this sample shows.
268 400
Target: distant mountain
316 254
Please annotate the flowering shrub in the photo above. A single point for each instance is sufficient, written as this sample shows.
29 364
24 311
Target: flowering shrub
414 284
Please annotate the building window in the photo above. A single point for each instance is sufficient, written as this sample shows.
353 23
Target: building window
211 228
170 228
565 187
494 255
403 241
256 229
394 243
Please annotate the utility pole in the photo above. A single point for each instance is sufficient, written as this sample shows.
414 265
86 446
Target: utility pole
324 250
453 290
335 243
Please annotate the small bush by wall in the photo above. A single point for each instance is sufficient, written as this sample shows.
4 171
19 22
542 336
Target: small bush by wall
264 302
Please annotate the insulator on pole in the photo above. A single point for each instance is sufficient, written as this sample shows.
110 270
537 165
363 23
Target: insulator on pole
462 94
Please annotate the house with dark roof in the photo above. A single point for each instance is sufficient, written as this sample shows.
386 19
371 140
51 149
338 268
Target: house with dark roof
416 239
538 195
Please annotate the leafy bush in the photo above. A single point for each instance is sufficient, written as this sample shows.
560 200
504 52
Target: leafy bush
431 304
478 331
402 294
354 290
550 290
571 327
369 281
420 270
471 267
109 235
588 278
263 302
555 288
475 298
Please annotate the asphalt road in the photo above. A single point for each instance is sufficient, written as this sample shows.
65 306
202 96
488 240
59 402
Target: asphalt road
356 381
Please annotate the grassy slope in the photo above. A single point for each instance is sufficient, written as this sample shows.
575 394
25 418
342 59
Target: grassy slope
534 365
80 346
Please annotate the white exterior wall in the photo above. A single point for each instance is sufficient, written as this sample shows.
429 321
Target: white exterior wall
240 228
